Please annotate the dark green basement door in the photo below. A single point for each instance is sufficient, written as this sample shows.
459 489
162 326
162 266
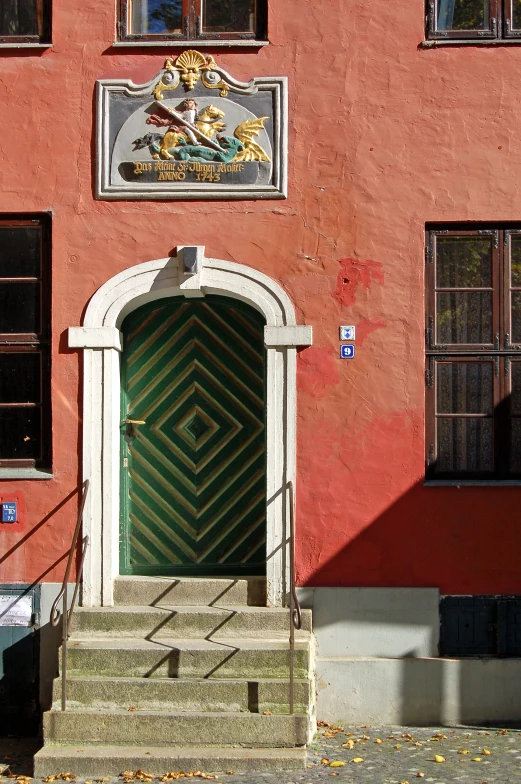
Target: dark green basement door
193 474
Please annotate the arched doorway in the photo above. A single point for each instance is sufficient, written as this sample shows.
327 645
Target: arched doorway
101 341
193 480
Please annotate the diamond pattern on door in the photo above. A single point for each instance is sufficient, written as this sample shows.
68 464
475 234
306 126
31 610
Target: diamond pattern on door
194 498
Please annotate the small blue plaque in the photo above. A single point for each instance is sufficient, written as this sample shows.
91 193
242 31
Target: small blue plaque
347 352
9 514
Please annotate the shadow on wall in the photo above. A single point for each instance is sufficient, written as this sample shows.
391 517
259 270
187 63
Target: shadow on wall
378 644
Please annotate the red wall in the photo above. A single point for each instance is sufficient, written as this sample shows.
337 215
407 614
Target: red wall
384 136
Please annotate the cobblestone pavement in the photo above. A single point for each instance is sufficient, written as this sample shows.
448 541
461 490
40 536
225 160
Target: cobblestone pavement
383 755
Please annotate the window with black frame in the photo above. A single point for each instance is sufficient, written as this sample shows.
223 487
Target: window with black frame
474 19
224 20
25 21
25 425
473 337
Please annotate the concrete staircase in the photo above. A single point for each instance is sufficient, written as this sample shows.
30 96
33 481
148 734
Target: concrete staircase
181 675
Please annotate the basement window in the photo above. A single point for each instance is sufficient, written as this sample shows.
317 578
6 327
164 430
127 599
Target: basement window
25 22
480 626
225 21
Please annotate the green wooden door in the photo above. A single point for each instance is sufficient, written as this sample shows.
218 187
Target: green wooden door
193 476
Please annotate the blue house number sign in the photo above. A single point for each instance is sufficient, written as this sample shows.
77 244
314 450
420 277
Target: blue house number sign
347 352
9 514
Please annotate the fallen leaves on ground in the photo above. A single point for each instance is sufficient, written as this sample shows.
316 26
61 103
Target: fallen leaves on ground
439 758
336 764
486 752
476 759
420 775
378 740
324 761
61 777
463 751
348 744
357 759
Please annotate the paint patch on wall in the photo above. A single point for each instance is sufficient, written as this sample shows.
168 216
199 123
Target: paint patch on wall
366 326
317 370
353 274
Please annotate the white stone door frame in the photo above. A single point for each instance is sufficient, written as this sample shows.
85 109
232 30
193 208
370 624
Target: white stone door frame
101 341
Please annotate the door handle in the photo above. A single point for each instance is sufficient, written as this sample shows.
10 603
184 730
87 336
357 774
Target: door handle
134 421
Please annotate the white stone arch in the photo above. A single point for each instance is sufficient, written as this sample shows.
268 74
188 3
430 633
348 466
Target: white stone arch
101 341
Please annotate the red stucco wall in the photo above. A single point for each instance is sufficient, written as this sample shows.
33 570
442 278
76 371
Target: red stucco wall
384 136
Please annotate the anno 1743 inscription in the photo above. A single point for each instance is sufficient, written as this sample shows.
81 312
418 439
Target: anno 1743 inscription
192 132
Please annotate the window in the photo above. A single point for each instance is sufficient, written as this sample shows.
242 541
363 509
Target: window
473 337
478 19
24 343
171 20
480 626
25 21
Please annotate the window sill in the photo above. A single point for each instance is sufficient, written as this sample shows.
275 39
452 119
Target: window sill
472 483
433 43
25 473
199 43
20 45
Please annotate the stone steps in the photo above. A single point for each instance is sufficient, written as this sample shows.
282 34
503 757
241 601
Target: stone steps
191 591
185 621
171 694
181 675
192 658
185 729
94 761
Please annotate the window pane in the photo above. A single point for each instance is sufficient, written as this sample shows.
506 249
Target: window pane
20 437
463 14
464 444
515 446
515 258
516 14
463 262
465 388
229 16
19 251
516 317
515 395
464 318
156 17
19 307
20 376
19 17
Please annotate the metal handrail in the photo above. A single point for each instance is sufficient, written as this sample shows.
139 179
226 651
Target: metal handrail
295 612
66 614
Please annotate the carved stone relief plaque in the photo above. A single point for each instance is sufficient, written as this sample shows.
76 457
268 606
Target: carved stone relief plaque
193 132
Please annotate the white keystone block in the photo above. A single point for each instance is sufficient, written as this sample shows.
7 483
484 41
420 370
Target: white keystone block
95 337
288 336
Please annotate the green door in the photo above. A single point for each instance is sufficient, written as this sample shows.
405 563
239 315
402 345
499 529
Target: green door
193 475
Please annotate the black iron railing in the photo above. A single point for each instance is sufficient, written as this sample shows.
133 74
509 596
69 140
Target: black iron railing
65 614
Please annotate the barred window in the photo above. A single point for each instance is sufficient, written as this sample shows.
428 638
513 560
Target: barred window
473 336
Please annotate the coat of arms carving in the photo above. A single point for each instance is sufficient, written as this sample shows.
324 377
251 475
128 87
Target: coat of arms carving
193 132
